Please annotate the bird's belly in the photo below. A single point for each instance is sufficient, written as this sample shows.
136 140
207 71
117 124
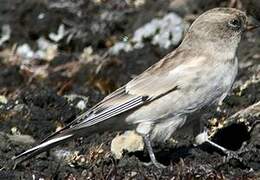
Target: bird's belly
164 130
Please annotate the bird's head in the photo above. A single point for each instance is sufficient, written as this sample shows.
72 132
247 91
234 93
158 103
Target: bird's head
217 27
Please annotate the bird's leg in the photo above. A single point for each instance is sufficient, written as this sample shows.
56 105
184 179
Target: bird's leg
203 137
149 148
230 154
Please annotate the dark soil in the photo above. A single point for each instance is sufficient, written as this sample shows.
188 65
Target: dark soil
38 105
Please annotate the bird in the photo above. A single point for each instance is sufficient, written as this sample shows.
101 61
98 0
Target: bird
199 72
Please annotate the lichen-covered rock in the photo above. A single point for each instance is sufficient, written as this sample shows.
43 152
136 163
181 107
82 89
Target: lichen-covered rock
164 32
129 141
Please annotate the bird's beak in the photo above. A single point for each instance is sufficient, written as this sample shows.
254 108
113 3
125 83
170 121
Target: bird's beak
251 25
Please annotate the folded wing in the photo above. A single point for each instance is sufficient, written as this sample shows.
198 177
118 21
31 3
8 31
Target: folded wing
158 80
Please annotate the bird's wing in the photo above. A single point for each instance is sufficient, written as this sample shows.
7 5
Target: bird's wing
165 76
160 79
171 73
115 103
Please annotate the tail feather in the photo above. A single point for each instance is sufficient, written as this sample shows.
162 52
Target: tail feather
41 147
102 117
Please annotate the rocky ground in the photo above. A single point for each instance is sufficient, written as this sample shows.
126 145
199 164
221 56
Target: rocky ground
58 58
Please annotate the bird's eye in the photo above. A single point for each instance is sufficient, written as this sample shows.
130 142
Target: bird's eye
235 24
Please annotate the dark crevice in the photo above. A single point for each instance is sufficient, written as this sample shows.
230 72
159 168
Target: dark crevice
232 137
166 156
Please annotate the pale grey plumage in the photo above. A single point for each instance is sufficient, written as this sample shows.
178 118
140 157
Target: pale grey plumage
155 103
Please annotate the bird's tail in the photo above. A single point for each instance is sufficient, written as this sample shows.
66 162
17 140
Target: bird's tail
103 117
44 146
63 135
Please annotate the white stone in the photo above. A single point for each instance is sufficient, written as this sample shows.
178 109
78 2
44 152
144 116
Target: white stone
163 32
129 141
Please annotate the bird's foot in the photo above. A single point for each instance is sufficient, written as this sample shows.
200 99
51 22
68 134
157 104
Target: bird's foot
232 155
151 153
229 154
156 164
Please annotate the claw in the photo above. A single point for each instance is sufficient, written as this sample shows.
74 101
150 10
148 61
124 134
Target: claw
232 155
156 164
229 154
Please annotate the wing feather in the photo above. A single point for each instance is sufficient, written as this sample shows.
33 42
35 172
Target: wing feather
160 79
153 83
112 105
